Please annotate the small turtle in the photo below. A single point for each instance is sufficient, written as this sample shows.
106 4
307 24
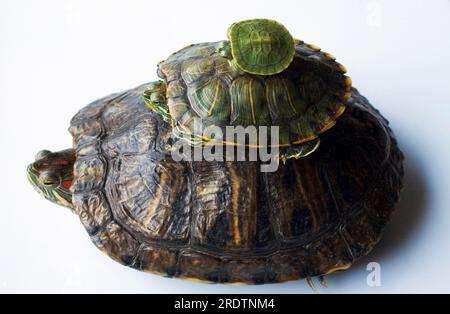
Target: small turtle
223 222
260 76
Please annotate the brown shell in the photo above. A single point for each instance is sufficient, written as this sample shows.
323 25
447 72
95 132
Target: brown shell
226 221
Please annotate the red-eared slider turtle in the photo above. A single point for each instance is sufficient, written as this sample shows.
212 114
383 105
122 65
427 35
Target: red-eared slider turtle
223 221
261 76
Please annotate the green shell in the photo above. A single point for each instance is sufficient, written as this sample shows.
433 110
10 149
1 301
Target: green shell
261 46
202 83
198 82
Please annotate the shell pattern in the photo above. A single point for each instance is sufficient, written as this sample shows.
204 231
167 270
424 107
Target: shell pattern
304 100
261 46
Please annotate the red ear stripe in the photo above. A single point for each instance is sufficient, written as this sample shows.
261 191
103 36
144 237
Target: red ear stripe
60 162
67 184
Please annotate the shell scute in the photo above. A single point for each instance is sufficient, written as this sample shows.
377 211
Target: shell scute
93 211
86 131
89 173
199 265
157 259
117 243
211 100
248 103
288 266
169 71
283 100
178 107
194 70
251 270
150 192
329 254
301 130
137 140
176 89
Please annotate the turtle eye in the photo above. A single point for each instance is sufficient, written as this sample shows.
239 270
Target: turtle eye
42 154
224 49
48 182
49 179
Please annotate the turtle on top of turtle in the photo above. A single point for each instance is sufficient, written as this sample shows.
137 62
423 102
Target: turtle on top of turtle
261 76
227 222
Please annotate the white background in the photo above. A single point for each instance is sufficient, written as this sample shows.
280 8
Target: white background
57 56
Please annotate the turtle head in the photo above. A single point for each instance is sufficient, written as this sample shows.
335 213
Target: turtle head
51 174
261 46
155 98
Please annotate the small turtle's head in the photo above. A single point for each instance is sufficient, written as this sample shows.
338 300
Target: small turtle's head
260 46
155 98
51 174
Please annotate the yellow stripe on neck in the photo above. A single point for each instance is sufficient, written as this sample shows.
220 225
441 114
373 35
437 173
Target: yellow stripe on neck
62 200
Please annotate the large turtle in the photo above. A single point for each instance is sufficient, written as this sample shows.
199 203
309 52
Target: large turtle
261 76
223 222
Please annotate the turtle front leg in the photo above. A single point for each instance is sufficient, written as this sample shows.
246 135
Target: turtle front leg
299 150
155 98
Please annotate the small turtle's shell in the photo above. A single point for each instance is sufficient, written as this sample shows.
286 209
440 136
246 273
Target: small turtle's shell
304 100
227 221
261 46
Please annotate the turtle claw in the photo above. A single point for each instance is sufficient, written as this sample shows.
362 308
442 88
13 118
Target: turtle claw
300 150
322 281
310 283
